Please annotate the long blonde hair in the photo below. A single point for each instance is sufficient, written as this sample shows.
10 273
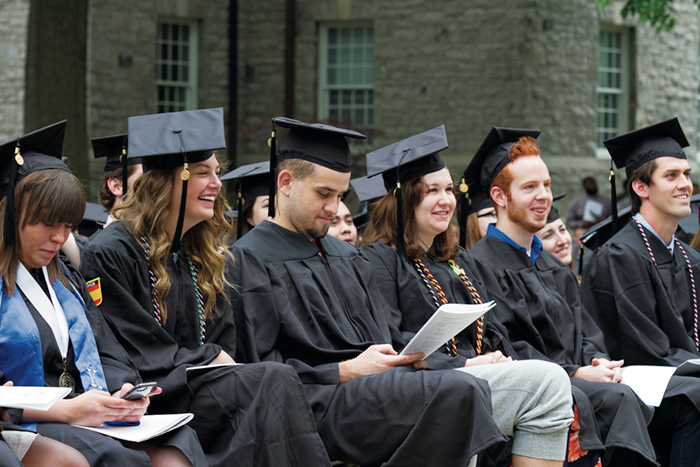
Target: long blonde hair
49 196
147 207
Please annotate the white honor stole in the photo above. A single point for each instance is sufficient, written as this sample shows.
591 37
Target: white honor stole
50 309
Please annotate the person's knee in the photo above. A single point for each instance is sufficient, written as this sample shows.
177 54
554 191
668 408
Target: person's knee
46 451
547 378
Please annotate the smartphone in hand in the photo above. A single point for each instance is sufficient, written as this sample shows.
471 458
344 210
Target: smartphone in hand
139 391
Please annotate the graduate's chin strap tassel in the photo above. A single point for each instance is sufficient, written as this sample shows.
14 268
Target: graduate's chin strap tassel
184 175
466 202
9 227
613 199
272 142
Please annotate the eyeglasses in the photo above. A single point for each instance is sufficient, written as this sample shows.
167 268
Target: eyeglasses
487 214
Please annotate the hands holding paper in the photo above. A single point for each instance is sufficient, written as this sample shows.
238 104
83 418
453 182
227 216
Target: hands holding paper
376 359
601 370
93 408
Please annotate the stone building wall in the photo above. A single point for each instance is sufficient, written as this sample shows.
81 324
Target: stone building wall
121 72
473 65
13 55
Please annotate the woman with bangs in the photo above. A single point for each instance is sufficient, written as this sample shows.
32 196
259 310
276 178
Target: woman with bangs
51 333
159 269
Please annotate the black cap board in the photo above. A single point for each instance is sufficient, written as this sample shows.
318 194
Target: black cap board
488 161
492 155
171 139
554 212
251 182
633 149
405 160
368 189
112 148
39 150
319 143
409 158
253 178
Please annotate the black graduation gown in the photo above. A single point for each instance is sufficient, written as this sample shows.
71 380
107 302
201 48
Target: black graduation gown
540 307
405 296
311 312
644 310
244 414
118 368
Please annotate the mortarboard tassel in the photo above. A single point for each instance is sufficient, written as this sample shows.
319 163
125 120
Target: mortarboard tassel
125 176
184 175
272 142
466 201
400 242
613 199
239 208
9 227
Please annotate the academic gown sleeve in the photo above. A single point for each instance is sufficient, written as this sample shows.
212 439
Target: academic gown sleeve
388 275
263 314
539 307
126 306
116 363
625 294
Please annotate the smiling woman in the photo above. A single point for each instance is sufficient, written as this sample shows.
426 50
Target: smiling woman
161 272
51 333
435 271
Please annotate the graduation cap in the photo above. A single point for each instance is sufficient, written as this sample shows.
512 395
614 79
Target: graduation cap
488 161
113 149
636 148
39 150
251 181
94 217
368 189
314 142
176 138
554 212
405 160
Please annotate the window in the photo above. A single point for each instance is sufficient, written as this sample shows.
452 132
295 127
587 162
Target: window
697 131
176 66
613 83
346 74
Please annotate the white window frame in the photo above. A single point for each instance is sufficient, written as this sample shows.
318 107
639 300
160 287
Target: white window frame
622 93
325 89
190 83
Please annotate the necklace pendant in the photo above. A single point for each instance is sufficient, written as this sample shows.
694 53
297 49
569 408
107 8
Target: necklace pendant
66 380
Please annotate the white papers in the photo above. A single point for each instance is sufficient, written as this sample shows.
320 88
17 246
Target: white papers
31 397
649 382
150 427
191 370
447 321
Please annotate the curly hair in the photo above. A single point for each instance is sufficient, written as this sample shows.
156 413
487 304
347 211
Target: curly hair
382 223
147 208
50 196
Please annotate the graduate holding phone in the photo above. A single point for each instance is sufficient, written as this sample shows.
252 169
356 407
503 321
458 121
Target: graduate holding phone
51 332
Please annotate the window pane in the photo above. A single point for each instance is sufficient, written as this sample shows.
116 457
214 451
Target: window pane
349 74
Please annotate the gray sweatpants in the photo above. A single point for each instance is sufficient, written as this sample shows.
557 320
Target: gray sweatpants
531 402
